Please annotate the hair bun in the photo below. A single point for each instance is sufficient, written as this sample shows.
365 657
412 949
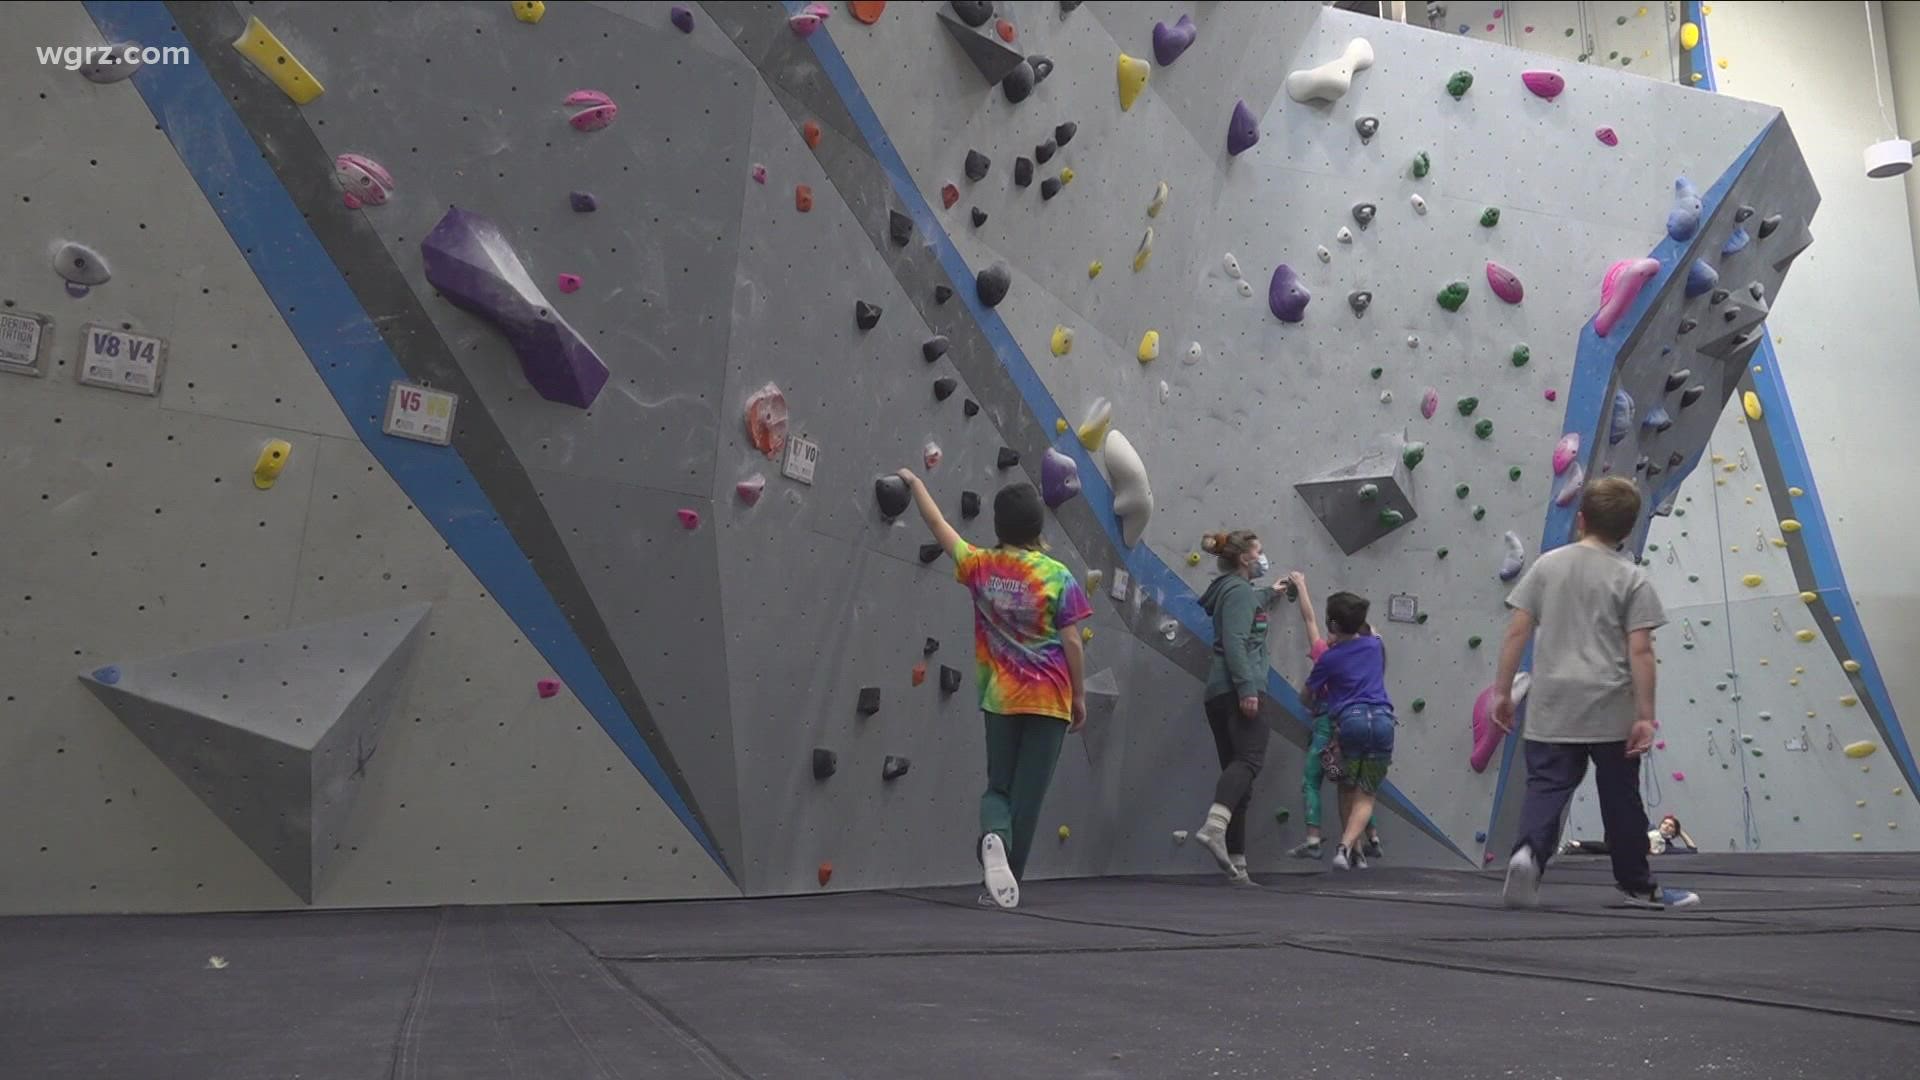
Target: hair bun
1211 543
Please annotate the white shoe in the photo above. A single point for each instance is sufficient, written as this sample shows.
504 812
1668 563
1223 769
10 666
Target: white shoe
1358 858
1215 841
1340 859
1522 889
996 874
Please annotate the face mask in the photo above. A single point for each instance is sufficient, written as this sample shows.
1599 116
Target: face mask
1261 566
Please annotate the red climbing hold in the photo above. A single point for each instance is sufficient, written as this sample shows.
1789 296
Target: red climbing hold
689 519
948 196
569 283
919 673
867 11
802 198
1004 29
810 131
826 873
547 687
767 420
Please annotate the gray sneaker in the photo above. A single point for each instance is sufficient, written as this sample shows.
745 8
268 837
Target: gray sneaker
1309 850
1522 889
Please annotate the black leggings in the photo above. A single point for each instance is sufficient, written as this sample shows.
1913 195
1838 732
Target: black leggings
1242 744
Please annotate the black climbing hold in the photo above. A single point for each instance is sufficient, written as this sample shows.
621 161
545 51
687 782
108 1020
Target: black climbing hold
1687 325
944 387
973 12
1718 296
1691 395
1653 468
1068 5
1641 465
1757 291
894 767
977 165
1359 300
866 316
869 701
1064 133
930 552
1742 214
1676 459
1768 224
934 347
1022 171
1043 153
979 217
949 679
1049 188
582 202
991 284
1009 457
932 646
942 294
1042 67
825 763
1730 315
892 494
971 407
899 228
1678 379
969 505
1019 82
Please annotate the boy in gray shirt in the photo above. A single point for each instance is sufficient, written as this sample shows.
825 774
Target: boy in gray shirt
1591 613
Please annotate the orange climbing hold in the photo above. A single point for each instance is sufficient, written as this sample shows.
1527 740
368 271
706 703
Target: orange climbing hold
1004 29
767 420
867 11
920 673
826 873
810 131
802 198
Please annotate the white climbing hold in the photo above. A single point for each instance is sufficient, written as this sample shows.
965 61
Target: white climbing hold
1232 265
1386 397
1413 341
1572 484
1159 202
1419 204
1331 80
1132 494
1165 391
930 455
1245 287
1195 353
1345 235
1516 558
1325 255
1179 836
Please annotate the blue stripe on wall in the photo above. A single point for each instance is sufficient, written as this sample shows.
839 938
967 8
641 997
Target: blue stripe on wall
1149 571
347 351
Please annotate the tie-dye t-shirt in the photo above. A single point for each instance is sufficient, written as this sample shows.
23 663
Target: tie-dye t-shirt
1022 602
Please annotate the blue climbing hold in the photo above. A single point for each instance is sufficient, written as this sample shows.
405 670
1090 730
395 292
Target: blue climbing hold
1622 417
107 676
1684 219
583 202
1701 278
1657 419
1480 837
1736 241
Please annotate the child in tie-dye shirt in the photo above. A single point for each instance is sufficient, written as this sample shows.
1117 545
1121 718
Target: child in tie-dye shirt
1025 604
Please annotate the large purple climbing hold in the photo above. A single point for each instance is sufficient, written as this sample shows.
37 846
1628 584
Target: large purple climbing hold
469 260
1684 219
1243 130
1701 278
1059 478
1287 296
1170 41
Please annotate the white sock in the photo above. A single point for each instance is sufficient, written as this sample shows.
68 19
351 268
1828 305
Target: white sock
1219 816
1239 861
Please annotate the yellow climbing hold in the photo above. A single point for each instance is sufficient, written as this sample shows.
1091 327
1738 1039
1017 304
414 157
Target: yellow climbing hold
273 458
1132 73
1793 682
1849 700
1066 177
1752 581
1093 429
1144 251
1856 836
1799 671
1689 35
1149 347
1694 76
258 45
1795 492
1789 525
1193 558
1776 541
1060 425
1859 749
1062 342
1086 633
529 11
1094 268
1159 202
1809 597
1804 635
1851 667
1751 402
1722 62
1718 459
1065 832
1859 802
1730 468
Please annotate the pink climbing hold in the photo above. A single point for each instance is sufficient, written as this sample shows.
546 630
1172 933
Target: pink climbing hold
1486 734
363 181
808 19
1678 775
759 173
1606 136
1552 394
547 687
1565 451
569 283
750 489
597 110
1620 288
689 519
1661 745
1504 283
1429 402
1546 84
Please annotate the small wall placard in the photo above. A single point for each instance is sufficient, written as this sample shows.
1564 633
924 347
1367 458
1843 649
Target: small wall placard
121 360
420 413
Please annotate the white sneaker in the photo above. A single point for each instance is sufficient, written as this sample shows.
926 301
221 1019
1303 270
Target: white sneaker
1358 857
1522 889
1215 841
1340 858
996 874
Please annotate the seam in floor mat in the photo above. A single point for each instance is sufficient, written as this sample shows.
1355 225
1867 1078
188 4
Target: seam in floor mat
404 1041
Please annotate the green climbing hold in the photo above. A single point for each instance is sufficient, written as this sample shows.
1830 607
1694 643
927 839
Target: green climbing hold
1568 33
1490 216
1440 553
1479 513
1413 454
1513 473
1419 704
1521 354
1421 165
1392 518
1473 642
1376 373
1281 815
1458 84
1460 491
1453 296
1484 428
1421 618
1466 405
1369 492
1620 20
1653 547
1695 578
1680 513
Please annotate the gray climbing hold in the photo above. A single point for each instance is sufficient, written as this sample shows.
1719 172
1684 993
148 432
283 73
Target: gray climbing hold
122 61
991 284
1043 153
1768 224
899 228
1358 300
944 386
1653 468
942 293
1042 67
970 407
1687 324
1758 291
977 165
866 316
949 680
1020 82
1737 241
978 216
869 702
1064 133
934 348
1691 395
1067 6
1676 459
894 768
973 12
1678 378
582 202
1022 171
1701 277
1363 214
1367 126
931 646
893 495
1049 188
81 267
1684 219
1170 41
825 763
1287 297
992 58
930 552
969 505
1743 213
1718 296
1006 459
1243 130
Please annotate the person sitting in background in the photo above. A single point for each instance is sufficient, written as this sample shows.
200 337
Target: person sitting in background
1668 839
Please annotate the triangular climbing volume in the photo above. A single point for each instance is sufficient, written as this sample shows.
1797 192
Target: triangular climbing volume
994 60
274 733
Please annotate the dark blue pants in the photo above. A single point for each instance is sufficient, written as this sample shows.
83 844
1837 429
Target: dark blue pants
1554 771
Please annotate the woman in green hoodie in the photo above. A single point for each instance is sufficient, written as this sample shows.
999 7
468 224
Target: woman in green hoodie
1239 669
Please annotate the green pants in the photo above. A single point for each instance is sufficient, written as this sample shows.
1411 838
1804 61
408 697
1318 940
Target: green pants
1313 777
1021 753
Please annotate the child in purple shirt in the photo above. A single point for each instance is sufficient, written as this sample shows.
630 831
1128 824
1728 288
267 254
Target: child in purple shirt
1350 679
